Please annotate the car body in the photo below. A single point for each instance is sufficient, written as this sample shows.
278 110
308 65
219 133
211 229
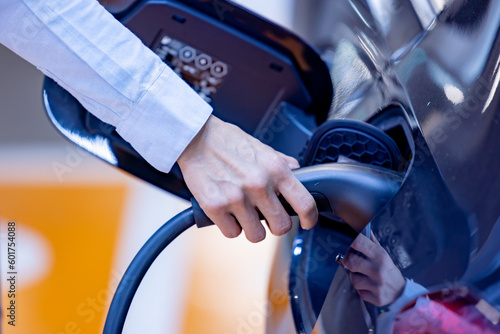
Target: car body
426 73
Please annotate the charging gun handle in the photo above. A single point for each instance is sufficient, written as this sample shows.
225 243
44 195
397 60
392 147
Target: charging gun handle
352 191
202 220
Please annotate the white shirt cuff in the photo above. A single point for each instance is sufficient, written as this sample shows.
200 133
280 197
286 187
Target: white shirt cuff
165 120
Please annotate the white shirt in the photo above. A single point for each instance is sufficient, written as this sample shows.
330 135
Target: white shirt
109 70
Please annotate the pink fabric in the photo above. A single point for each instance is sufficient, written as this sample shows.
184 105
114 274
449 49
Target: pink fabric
431 317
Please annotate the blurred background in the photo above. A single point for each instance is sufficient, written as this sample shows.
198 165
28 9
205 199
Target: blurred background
80 221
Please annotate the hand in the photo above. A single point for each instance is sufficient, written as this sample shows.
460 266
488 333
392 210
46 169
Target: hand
375 277
232 175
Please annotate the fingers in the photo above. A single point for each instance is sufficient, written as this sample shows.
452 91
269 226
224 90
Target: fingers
291 162
300 200
364 245
229 226
234 209
217 211
277 218
378 293
233 176
357 264
248 219
370 249
361 282
232 213
372 272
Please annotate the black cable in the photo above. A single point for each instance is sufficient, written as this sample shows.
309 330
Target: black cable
329 184
139 266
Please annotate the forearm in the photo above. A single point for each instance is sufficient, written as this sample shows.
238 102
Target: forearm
80 45
109 70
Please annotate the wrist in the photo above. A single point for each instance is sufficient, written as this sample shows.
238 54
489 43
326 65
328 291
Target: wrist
195 145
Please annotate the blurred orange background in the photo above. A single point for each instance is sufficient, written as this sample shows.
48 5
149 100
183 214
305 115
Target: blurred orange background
79 222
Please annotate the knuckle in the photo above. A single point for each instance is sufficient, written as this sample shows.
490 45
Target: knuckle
357 243
308 206
305 207
278 167
256 183
215 207
237 199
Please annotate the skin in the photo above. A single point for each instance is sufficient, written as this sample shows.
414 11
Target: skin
232 175
375 277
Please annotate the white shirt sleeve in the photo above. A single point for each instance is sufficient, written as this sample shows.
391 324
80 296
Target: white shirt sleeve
109 70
